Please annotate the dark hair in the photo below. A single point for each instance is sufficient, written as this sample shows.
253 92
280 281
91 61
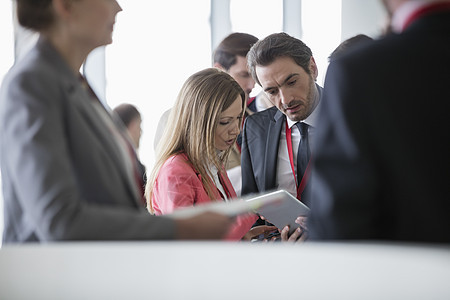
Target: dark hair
347 44
235 44
127 113
276 45
35 14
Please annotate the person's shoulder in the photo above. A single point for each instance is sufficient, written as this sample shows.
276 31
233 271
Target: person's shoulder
372 52
177 170
263 115
27 67
31 77
178 164
42 64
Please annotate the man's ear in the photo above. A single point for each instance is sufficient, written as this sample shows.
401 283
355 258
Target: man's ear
219 66
62 7
313 68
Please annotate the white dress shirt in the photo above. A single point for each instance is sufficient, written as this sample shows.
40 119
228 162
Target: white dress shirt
285 178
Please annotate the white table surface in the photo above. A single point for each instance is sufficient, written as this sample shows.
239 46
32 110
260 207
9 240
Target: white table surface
220 270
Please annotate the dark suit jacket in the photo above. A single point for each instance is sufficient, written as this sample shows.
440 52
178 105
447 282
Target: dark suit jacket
63 174
382 168
259 152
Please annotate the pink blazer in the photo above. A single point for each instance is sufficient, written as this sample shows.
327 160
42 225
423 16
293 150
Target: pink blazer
179 185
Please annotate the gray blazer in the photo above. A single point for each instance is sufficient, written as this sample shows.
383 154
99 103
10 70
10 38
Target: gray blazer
63 176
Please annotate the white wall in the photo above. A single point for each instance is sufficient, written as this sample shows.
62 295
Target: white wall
362 17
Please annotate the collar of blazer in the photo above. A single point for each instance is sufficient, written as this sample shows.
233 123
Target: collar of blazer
217 195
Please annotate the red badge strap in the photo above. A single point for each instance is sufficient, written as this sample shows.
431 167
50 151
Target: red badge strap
306 175
426 10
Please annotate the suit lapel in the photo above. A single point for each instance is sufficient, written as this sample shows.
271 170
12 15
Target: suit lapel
81 100
271 153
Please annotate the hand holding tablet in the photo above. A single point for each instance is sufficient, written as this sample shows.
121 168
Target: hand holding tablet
279 208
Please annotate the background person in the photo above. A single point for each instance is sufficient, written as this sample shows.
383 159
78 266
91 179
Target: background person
131 118
346 45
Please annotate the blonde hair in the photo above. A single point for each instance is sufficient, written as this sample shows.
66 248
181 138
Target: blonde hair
192 125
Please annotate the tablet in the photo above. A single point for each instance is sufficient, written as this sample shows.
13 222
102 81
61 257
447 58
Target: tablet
279 208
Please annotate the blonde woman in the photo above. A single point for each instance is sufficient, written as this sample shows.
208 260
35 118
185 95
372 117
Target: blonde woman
202 128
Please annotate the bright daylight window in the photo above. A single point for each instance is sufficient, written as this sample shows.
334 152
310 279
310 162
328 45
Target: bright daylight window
257 17
157 46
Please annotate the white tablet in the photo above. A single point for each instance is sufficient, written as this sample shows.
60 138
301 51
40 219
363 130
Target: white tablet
279 208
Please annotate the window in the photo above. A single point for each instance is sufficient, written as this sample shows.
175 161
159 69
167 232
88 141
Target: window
321 21
157 46
257 17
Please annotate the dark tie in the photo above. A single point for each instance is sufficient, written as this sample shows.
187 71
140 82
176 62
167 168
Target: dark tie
303 150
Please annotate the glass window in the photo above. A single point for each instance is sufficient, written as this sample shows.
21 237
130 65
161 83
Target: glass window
157 45
257 17
321 30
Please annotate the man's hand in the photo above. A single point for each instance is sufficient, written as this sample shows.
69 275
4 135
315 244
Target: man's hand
299 235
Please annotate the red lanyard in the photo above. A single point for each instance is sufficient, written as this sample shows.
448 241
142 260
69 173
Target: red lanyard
305 177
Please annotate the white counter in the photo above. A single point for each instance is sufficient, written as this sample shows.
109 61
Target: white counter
201 270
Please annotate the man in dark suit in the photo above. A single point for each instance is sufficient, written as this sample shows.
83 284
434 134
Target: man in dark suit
382 165
286 70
